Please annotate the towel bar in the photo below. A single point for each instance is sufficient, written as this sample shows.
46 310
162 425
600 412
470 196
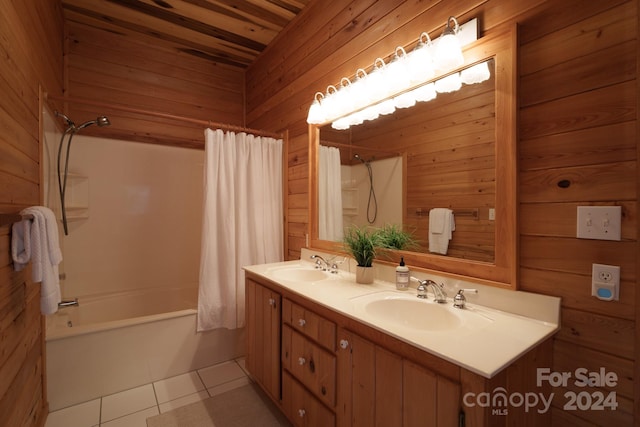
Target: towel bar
472 213
10 218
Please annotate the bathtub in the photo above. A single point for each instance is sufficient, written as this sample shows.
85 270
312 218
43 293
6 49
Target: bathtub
114 342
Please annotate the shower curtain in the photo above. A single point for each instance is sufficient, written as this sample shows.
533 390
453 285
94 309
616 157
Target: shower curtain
242 222
330 225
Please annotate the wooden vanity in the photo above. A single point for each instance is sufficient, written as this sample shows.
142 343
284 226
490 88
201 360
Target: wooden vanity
324 368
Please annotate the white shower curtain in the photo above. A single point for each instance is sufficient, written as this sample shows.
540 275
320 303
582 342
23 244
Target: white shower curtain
242 222
330 225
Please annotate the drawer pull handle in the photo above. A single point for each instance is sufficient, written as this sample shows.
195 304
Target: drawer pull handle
301 413
301 322
344 344
301 361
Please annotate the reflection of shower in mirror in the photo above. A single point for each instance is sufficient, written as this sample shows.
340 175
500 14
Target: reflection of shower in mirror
372 203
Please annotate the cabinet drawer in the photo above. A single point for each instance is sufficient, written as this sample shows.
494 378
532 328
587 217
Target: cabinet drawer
302 408
307 322
310 364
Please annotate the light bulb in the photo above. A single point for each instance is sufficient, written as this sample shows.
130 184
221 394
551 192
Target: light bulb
448 84
475 74
316 116
448 50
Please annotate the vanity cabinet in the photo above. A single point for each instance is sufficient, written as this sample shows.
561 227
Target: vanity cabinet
323 368
264 313
380 388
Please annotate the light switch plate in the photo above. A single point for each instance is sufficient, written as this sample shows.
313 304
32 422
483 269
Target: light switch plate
599 222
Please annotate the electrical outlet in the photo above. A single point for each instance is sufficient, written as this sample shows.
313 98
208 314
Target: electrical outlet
605 282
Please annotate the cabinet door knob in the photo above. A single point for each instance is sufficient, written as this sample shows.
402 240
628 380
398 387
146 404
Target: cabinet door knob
344 344
301 360
272 302
301 322
301 413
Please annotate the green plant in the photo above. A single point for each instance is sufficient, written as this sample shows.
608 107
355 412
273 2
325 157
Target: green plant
392 236
361 243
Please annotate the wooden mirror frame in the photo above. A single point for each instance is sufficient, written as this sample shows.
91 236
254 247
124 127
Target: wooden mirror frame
501 46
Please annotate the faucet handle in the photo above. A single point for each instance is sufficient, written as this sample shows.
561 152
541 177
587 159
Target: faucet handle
459 301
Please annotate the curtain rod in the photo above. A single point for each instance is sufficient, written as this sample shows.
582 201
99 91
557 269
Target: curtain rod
209 123
359 147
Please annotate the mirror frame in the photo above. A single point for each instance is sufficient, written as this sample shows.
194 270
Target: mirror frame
502 272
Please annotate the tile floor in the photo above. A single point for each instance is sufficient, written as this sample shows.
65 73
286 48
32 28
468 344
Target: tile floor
131 408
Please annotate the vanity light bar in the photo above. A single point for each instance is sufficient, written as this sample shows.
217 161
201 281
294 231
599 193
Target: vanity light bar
344 102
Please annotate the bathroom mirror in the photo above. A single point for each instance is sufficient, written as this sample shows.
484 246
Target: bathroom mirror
414 171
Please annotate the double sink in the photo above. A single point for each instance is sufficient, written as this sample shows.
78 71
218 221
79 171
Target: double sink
482 338
399 308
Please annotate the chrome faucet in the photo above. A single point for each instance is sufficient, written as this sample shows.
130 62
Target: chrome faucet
440 296
328 266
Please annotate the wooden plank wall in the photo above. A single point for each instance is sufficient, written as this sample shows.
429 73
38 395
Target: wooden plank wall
31 50
578 99
578 121
111 69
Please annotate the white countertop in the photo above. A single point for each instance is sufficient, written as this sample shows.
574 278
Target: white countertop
487 339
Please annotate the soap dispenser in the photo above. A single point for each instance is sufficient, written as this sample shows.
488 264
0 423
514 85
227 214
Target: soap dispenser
402 276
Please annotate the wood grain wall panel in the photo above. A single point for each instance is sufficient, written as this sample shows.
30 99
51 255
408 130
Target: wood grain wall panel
31 49
114 70
580 148
578 121
582 131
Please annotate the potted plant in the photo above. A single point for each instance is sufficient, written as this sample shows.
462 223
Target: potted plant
392 236
361 243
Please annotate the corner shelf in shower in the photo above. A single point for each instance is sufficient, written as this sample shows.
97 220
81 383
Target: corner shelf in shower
350 201
77 197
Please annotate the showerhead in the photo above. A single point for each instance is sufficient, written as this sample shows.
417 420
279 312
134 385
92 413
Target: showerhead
357 156
103 121
100 121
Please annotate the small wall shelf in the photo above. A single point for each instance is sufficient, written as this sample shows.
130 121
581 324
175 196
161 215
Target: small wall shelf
350 201
77 197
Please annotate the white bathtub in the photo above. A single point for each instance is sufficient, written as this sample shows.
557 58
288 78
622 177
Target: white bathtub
115 342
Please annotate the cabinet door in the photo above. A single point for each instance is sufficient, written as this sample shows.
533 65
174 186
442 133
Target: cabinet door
369 384
376 387
263 336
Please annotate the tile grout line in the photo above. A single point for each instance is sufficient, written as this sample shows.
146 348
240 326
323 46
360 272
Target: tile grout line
202 382
155 394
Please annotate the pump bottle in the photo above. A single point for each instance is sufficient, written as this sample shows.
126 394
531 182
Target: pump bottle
402 276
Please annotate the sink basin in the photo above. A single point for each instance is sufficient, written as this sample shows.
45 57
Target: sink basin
299 274
413 313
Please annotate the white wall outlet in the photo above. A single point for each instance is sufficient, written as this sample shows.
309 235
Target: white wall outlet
492 214
599 222
605 282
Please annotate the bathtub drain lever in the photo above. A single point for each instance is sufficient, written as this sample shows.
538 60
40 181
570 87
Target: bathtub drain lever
68 303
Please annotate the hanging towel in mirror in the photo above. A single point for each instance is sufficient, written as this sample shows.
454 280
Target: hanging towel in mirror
441 227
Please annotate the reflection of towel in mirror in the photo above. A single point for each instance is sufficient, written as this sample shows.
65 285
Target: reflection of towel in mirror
441 226
37 241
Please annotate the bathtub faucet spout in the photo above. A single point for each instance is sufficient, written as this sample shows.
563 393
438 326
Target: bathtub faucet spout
68 303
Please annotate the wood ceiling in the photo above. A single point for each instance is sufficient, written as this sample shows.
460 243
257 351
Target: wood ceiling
227 31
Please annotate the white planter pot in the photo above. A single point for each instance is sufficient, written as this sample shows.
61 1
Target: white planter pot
364 275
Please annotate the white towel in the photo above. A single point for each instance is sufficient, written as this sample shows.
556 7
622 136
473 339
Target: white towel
37 241
441 226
